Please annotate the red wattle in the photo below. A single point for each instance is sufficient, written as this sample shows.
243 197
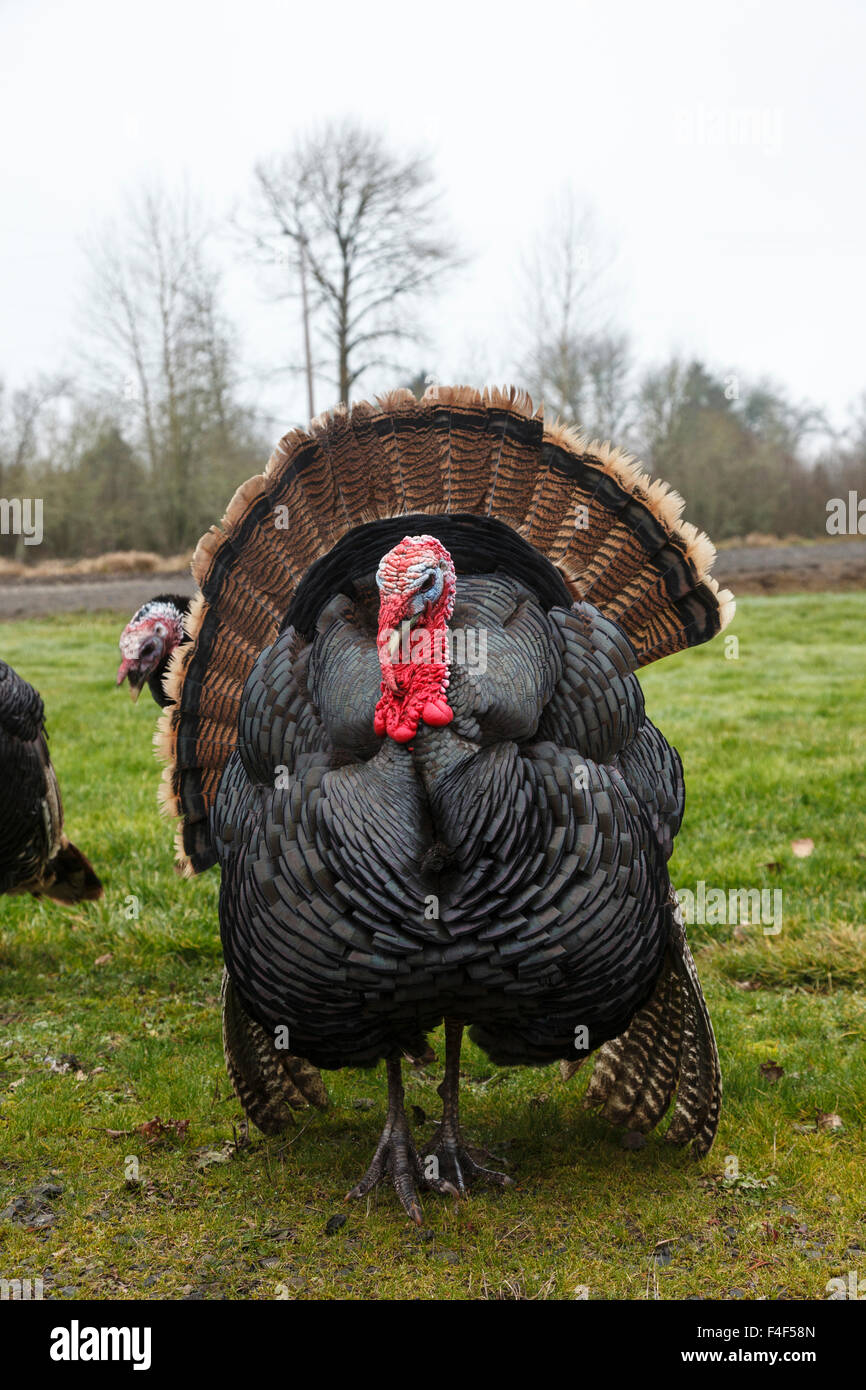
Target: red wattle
438 713
404 733
398 714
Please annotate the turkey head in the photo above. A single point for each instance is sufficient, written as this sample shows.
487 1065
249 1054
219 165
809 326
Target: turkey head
147 643
417 584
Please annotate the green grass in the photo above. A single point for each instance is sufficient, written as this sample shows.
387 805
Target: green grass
773 746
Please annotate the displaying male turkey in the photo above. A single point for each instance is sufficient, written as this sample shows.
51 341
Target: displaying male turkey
35 855
408 728
147 642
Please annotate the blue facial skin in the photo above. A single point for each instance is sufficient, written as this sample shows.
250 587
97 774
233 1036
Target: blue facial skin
429 590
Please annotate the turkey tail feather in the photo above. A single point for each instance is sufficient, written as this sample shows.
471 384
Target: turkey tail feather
669 1045
69 877
586 512
268 1082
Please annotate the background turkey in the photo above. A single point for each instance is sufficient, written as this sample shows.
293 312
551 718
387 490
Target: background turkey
410 838
35 855
147 642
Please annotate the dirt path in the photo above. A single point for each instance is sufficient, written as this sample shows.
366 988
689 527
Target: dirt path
747 570
32 599
793 568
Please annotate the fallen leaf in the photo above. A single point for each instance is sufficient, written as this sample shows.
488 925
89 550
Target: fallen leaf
280 1233
67 1061
802 848
830 1120
103 960
156 1129
746 984
771 1070
210 1156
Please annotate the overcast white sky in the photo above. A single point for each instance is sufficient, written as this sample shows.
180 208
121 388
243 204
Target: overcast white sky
722 147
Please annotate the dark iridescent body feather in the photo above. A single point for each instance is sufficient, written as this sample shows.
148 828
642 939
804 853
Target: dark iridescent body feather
35 855
508 870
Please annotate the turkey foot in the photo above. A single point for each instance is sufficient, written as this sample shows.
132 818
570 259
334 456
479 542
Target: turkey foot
396 1155
448 1163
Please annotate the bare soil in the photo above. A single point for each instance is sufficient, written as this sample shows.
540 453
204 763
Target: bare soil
787 569
29 598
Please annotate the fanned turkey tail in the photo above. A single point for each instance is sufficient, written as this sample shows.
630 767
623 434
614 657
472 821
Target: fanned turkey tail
269 1083
669 1046
577 521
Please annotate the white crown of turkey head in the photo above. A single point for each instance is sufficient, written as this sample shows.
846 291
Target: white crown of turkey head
148 641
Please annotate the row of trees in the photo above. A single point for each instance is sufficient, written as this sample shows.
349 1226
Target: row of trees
144 446
746 457
141 449
742 454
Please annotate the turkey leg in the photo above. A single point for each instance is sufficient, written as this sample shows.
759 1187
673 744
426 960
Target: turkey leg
395 1154
447 1162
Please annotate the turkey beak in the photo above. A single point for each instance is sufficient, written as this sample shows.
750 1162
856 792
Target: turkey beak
398 636
128 671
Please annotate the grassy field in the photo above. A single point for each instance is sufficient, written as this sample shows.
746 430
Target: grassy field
774 749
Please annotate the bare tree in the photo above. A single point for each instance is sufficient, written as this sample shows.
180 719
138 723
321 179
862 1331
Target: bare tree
166 350
21 419
30 422
360 228
577 364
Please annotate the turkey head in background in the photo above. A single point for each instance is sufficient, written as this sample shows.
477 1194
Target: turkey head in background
147 642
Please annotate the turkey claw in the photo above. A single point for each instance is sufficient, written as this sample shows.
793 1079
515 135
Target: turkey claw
395 1157
457 1164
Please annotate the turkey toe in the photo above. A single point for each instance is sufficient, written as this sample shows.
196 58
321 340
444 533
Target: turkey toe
396 1155
451 1165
